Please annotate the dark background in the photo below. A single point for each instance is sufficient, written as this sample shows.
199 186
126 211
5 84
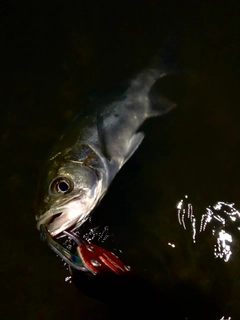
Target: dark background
52 55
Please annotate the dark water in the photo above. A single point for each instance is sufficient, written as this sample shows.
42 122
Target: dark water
52 56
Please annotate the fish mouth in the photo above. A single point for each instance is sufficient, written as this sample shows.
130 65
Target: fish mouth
53 216
51 219
65 216
48 221
60 221
54 225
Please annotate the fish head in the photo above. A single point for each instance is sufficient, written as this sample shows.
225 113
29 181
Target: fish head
70 192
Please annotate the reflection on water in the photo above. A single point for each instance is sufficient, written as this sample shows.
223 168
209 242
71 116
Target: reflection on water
171 244
182 211
222 219
97 234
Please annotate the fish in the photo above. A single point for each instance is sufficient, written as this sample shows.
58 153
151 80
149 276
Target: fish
92 150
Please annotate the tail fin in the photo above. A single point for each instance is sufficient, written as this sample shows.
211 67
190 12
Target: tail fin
166 61
167 56
159 105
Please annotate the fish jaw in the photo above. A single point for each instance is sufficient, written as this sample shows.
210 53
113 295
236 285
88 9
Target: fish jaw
64 217
65 220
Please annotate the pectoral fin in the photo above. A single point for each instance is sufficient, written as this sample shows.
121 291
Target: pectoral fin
101 137
133 144
109 147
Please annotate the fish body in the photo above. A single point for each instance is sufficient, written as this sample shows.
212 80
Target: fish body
93 149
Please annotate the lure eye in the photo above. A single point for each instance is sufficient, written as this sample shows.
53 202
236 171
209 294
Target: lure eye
61 185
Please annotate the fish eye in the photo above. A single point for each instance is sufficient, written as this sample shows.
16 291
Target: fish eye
61 185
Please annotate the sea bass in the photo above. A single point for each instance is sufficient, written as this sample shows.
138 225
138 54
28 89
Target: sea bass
93 149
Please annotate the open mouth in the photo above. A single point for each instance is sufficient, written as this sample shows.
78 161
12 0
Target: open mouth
50 223
58 223
51 220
